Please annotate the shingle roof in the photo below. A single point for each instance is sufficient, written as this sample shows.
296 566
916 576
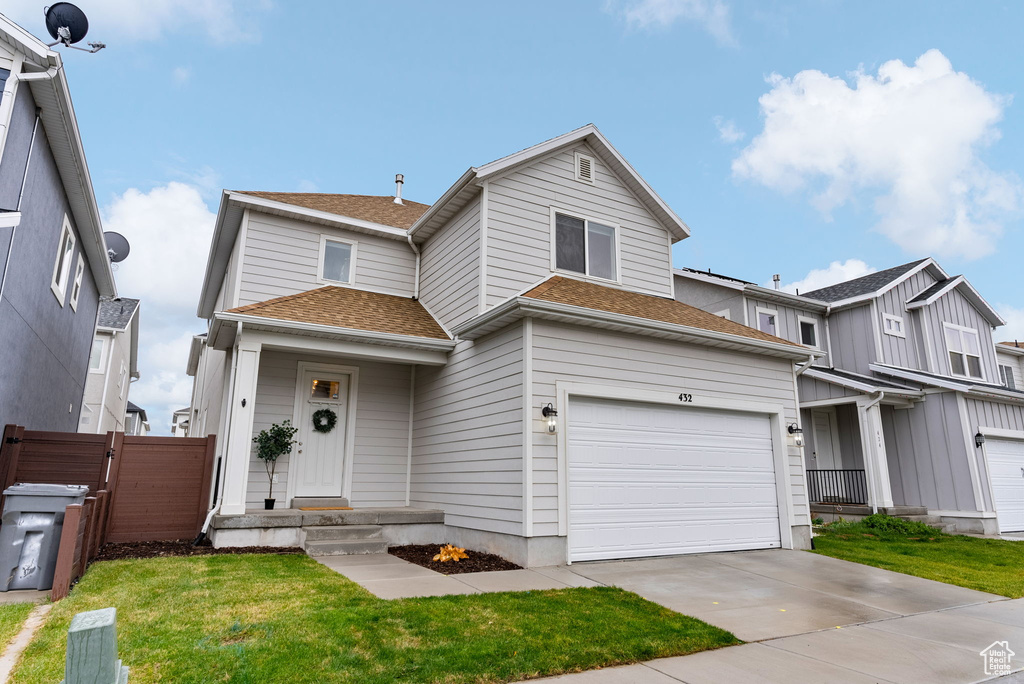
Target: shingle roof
716 275
132 408
116 312
602 298
928 292
863 285
375 208
344 307
856 377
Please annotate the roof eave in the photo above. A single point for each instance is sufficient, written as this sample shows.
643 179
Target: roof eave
427 220
859 386
296 211
710 279
787 298
867 297
225 232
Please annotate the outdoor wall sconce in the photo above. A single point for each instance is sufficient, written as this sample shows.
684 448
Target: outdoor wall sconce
798 434
979 439
551 415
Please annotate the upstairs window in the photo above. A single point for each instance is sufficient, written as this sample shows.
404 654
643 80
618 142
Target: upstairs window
96 356
809 332
964 351
767 321
893 325
62 264
584 246
76 285
337 258
1006 376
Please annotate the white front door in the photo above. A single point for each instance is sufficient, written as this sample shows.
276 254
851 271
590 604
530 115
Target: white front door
826 450
319 457
1006 466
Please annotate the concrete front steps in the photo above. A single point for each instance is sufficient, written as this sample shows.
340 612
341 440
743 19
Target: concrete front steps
856 513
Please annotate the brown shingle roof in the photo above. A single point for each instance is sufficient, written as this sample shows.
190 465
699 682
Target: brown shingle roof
344 307
592 296
375 208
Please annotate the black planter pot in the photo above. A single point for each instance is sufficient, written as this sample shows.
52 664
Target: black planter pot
268 504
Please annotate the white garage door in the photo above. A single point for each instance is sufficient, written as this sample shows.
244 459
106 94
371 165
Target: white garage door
1006 463
648 480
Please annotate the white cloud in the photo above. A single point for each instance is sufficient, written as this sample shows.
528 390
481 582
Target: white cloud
223 21
306 185
727 130
1014 328
181 75
908 137
711 15
169 229
835 272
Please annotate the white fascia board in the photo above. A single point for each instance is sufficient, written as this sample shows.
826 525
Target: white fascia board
705 278
223 241
10 219
194 350
341 220
449 194
961 283
1018 351
779 296
32 46
939 293
927 263
860 386
945 383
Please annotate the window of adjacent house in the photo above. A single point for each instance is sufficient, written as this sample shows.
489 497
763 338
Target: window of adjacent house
766 321
808 332
121 381
62 265
336 258
96 355
76 285
1006 376
893 325
964 351
584 246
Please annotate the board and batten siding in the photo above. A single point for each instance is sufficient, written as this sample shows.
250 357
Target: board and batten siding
381 427
812 389
903 351
982 413
468 434
518 225
450 268
853 339
584 355
954 308
787 323
281 256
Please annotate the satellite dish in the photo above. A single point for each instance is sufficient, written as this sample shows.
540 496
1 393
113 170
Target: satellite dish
117 247
66 23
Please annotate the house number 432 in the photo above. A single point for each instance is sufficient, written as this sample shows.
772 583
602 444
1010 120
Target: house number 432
686 398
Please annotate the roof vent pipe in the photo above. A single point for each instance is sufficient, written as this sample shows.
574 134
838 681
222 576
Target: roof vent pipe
399 179
777 279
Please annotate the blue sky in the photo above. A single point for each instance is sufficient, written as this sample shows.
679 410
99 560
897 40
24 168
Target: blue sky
839 163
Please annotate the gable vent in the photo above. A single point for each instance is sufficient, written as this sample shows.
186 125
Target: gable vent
584 168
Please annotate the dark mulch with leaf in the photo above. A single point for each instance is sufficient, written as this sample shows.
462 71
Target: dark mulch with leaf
477 562
180 547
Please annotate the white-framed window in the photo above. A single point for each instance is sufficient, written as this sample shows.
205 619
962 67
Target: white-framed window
337 260
768 321
585 246
62 264
76 284
99 344
1006 376
122 376
808 331
893 325
584 168
724 313
964 351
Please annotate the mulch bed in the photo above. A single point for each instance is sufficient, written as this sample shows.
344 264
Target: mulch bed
477 562
181 547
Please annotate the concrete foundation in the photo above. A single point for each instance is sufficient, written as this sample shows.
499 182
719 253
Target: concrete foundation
256 536
801 536
972 525
525 551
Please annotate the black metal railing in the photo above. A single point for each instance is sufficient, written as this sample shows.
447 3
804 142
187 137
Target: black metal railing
837 486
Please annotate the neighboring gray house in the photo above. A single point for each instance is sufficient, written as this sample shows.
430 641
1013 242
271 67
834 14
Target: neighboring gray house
912 404
511 357
113 366
53 259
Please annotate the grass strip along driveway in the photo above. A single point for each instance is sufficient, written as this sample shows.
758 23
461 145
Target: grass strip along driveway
992 565
12 618
289 619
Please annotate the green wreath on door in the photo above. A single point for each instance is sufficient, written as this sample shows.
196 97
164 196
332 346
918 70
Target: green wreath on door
324 420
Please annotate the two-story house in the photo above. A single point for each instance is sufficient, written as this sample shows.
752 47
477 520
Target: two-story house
911 405
511 356
113 366
53 259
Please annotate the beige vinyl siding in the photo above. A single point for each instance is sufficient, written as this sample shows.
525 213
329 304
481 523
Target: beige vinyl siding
853 339
899 351
281 257
381 426
518 226
576 354
450 268
787 323
954 308
468 435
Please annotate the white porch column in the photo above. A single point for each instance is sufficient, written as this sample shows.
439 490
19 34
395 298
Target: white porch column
876 465
239 427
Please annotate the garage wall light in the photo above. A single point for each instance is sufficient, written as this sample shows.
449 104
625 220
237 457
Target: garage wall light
979 439
798 434
551 415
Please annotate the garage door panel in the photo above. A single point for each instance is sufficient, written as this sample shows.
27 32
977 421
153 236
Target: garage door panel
1006 470
650 480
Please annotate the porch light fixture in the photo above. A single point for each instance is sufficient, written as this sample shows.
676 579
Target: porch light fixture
551 415
979 439
798 434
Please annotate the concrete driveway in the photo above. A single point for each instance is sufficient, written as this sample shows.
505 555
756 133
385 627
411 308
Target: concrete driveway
816 619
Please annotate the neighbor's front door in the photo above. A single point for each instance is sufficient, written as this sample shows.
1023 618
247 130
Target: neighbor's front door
320 456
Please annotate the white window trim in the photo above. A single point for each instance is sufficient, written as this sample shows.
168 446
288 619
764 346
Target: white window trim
1004 371
121 377
806 319
757 318
76 284
724 313
576 167
103 347
586 245
981 359
895 319
320 261
60 289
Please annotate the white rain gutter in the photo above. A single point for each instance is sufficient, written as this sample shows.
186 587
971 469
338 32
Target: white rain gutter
805 365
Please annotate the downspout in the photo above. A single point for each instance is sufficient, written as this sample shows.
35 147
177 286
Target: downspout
408 458
21 195
828 337
874 495
416 283
223 469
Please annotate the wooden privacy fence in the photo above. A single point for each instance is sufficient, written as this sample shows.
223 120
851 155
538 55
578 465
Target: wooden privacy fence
140 488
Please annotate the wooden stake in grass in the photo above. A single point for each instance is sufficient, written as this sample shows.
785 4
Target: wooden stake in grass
451 553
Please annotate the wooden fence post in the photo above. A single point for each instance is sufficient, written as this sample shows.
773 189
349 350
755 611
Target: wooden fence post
89 511
92 649
63 574
102 515
10 450
204 488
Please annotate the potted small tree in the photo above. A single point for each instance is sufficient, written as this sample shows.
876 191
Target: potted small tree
271 444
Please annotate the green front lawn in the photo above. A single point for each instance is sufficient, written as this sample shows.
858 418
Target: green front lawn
289 619
12 617
992 565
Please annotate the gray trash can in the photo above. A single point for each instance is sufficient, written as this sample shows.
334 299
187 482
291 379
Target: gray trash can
30 535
